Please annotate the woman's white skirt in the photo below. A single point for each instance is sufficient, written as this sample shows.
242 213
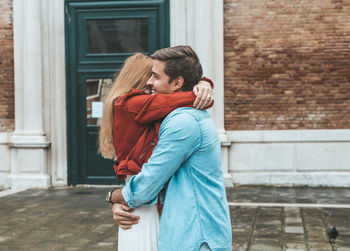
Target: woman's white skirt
144 235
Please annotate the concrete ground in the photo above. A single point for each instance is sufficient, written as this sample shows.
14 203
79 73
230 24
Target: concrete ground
262 218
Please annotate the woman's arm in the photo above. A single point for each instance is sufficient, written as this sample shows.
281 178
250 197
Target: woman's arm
147 108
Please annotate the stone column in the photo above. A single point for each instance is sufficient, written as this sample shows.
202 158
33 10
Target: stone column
28 142
54 86
200 24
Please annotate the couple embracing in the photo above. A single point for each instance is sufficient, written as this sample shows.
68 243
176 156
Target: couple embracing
166 147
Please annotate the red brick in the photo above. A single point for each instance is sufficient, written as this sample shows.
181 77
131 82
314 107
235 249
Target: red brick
7 68
286 64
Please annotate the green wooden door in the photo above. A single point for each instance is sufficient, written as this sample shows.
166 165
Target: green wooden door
100 35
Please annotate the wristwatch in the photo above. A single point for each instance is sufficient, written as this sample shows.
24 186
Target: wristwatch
109 195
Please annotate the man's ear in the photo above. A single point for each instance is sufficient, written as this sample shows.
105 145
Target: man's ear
178 83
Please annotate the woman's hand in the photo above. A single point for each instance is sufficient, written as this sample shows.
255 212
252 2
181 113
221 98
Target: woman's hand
123 217
204 95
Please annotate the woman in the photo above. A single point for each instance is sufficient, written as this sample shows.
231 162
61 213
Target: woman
129 133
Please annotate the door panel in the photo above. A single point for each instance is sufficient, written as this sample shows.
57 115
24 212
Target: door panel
100 35
117 35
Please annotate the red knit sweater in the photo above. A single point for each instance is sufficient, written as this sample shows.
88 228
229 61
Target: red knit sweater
137 117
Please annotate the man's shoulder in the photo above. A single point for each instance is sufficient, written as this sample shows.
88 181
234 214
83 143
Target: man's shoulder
184 117
185 114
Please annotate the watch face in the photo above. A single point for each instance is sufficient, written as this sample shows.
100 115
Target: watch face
108 196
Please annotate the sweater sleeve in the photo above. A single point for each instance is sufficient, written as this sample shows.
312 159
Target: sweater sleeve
148 108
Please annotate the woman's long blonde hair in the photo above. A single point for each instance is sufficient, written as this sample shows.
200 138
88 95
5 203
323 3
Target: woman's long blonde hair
134 75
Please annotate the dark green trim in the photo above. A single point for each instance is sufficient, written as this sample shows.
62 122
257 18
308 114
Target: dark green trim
81 65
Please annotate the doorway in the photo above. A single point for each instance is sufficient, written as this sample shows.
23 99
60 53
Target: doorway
100 35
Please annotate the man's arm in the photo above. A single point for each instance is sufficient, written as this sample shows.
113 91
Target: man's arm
179 137
117 197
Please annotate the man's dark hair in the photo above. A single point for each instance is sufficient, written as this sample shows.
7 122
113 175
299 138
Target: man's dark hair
180 61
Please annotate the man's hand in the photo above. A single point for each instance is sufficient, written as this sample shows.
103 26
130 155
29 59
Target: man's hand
123 217
204 95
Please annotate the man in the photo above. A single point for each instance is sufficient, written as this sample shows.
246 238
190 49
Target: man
195 213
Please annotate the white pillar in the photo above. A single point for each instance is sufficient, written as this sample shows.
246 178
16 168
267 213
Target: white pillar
200 24
54 86
28 142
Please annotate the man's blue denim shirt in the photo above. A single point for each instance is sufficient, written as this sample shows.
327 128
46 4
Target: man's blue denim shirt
195 207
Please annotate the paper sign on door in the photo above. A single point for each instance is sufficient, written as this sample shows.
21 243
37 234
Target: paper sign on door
96 109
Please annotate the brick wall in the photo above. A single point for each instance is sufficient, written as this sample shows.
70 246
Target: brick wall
287 64
6 67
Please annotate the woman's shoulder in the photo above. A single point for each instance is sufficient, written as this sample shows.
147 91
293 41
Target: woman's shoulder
136 92
131 93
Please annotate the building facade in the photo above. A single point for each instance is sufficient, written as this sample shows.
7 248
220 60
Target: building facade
281 74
